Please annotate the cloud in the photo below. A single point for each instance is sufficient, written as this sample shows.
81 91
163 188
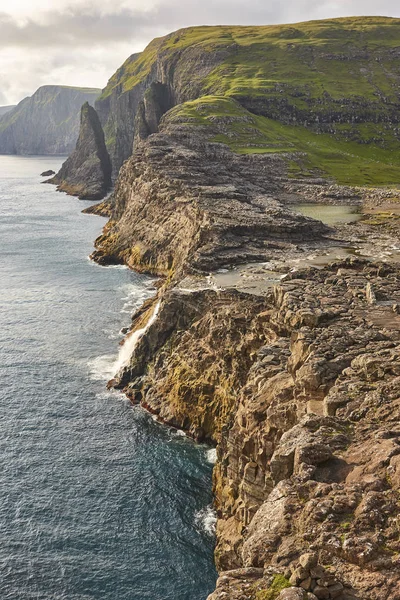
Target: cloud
85 25
80 43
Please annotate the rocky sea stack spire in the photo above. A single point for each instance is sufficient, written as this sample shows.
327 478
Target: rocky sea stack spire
89 157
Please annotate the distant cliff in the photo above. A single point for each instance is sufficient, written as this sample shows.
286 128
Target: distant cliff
6 109
45 123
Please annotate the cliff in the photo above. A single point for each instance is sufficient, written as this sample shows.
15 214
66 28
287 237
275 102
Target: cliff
89 157
306 421
293 378
45 123
184 204
335 79
273 336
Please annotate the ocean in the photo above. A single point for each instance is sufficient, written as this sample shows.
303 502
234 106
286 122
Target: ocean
97 500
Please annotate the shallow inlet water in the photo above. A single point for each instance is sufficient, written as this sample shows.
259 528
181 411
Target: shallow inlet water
328 214
97 501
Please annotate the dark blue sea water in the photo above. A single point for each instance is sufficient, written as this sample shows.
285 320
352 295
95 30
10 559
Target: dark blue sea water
96 499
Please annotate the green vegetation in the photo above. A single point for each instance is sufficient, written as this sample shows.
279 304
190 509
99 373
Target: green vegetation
279 583
327 92
305 59
344 161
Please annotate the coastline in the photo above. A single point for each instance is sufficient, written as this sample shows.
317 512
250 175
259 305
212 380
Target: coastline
280 326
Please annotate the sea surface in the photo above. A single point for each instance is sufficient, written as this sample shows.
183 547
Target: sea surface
97 500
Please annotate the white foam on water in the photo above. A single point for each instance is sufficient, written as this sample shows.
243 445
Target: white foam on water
177 432
206 520
96 264
131 340
102 367
134 298
212 455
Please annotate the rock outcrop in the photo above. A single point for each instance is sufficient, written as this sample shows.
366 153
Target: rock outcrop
296 384
91 157
45 123
182 203
300 390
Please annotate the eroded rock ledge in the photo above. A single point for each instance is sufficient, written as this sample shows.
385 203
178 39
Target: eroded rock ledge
185 204
301 392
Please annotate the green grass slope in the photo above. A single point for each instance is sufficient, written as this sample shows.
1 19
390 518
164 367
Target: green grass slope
329 89
314 57
346 162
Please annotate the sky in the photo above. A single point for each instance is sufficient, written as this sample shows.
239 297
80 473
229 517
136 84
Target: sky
83 42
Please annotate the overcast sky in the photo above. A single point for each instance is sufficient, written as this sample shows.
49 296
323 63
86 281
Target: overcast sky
81 42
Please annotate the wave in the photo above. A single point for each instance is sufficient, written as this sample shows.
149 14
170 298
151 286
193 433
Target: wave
134 297
96 264
206 520
212 455
102 367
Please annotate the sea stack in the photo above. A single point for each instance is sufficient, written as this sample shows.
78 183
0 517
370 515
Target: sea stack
87 172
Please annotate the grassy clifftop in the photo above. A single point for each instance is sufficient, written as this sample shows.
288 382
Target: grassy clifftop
347 162
329 89
329 56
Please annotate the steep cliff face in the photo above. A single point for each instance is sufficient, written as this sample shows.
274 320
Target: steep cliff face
300 390
45 123
336 78
89 157
182 203
296 380
296 383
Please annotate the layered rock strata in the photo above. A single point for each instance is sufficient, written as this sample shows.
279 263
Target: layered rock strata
183 203
297 385
300 391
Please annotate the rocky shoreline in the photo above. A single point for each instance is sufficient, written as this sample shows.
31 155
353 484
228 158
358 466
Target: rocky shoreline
275 336
296 383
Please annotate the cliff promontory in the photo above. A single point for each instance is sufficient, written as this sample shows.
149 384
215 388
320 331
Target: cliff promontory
45 123
273 336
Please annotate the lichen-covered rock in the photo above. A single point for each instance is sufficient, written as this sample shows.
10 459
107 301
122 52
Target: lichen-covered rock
306 492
